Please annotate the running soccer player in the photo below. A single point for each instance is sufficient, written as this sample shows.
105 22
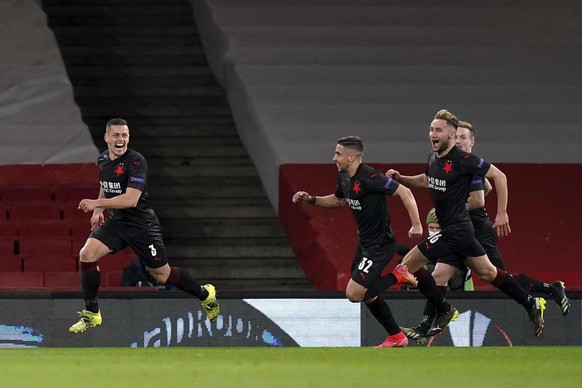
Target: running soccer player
485 234
364 189
448 176
132 222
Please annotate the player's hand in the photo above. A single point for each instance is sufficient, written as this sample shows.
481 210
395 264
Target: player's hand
501 224
97 220
87 205
391 173
300 197
415 231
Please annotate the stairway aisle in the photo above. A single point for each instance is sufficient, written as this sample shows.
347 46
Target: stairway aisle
142 60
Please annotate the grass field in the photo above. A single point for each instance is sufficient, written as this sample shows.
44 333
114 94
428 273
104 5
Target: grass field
292 367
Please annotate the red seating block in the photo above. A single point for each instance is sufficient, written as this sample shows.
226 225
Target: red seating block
12 280
30 192
21 211
44 228
9 229
49 262
39 246
116 261
80 229
113 279
7 246
62 280
3 212
76 192
10 263
71 212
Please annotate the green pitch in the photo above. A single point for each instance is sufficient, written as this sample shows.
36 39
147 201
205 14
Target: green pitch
491 367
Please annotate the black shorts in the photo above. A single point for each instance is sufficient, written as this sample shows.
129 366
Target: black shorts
147 243
454 243
369 263
487 237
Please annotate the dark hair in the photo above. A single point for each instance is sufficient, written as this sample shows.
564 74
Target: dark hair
450 118
352 142
468 125
115 122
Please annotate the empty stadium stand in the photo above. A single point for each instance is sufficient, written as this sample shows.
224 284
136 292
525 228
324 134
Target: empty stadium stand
143 60
299 74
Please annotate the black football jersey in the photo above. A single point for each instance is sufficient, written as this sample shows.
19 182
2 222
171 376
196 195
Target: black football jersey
115 176
449 180
365 194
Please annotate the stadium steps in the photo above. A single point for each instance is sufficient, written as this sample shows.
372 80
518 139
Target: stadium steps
143 60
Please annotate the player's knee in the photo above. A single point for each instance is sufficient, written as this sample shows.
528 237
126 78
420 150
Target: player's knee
354 297
86 255
440 279
487 275
161 275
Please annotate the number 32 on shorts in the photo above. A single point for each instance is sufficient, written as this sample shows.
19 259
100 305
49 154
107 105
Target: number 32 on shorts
365 265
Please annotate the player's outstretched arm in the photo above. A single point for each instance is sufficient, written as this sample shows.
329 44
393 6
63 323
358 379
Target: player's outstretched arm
328 201
419 181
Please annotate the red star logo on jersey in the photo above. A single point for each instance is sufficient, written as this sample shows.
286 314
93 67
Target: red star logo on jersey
119 169
357 188
448 166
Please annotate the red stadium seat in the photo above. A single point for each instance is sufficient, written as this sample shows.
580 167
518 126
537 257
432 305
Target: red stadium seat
76 192
113 279
44 228
32 192
49 262
10 263
3 212
21 280
62 280
77 243
9 229
7 246
116 261
80 229
71 212
38 246
35 210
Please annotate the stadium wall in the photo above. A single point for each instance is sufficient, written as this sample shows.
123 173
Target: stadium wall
167 319
543 209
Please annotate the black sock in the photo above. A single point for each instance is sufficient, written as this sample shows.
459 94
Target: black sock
428 287
428 315
380 285
532 285
381 311
90 281
506 283
182 279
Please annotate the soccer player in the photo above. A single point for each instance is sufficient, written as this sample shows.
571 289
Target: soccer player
485 233
131 222
448 176
364 189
